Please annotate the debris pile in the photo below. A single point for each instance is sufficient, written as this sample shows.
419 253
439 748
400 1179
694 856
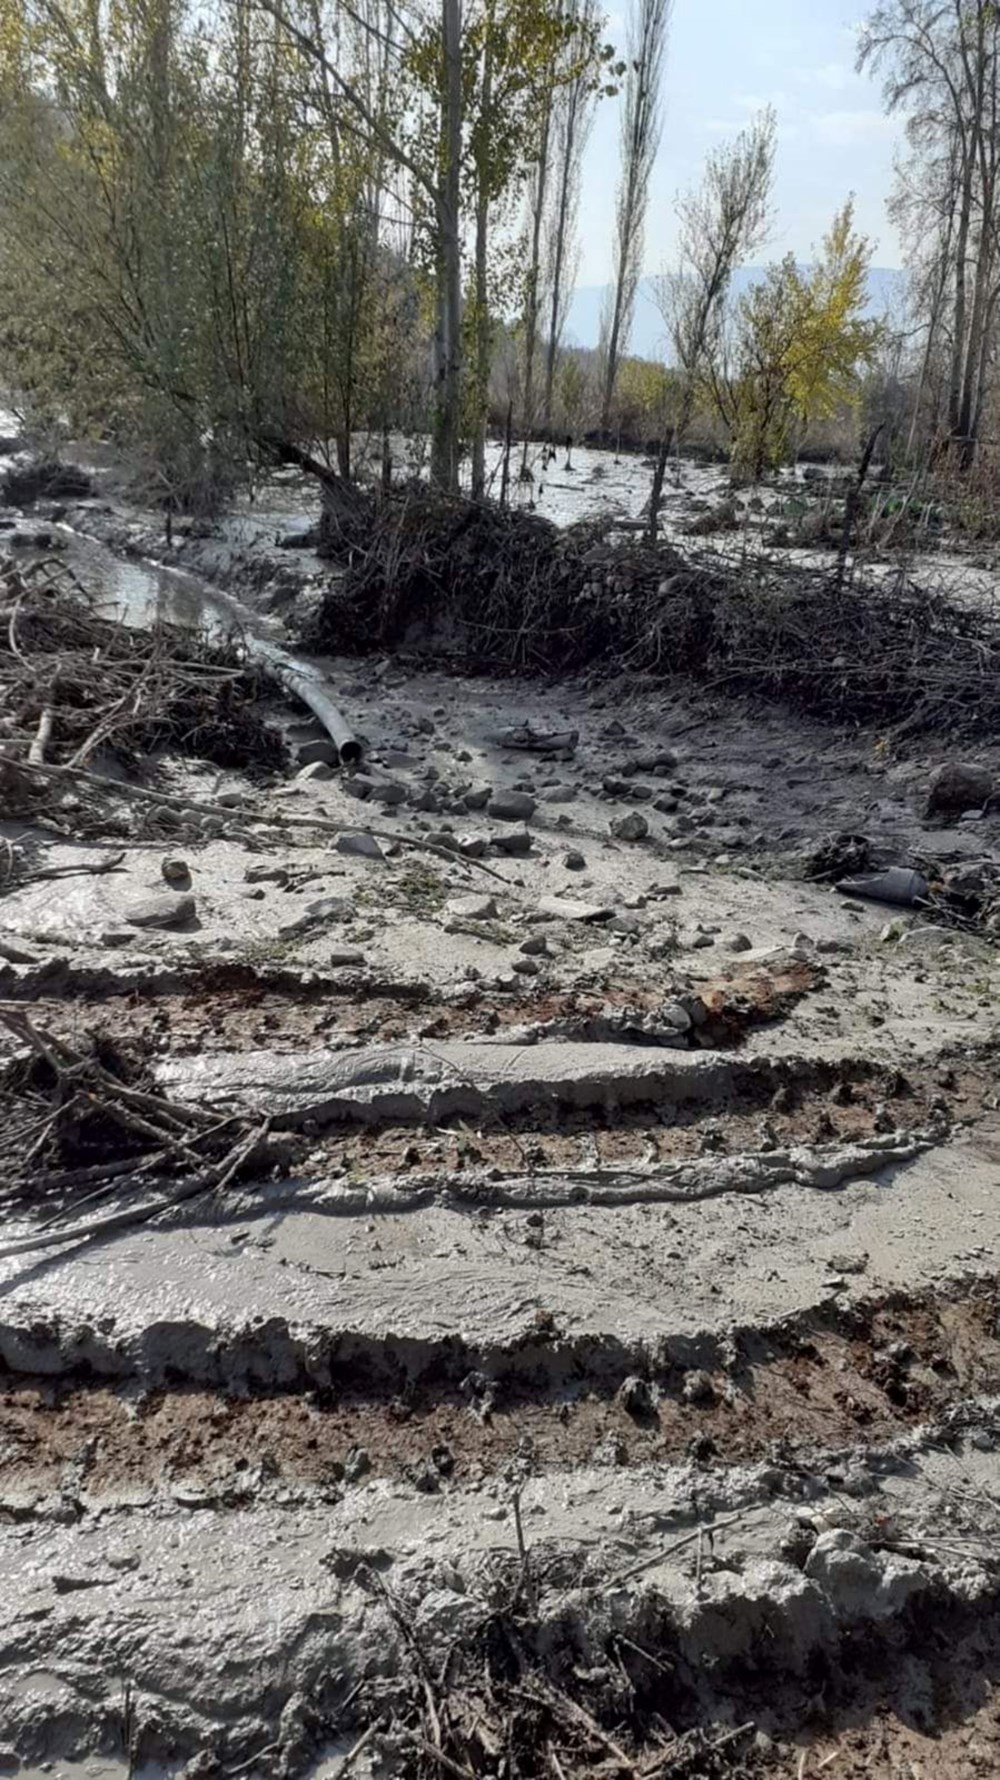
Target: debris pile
512 593
76 685
85 1123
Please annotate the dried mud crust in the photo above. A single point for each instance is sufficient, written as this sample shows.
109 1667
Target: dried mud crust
841 1380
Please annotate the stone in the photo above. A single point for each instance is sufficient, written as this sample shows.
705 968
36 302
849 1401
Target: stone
559 908
739 942
574 861
359 846
526 967
625 924
698 1388
324 908
389 793
356 1464
266 874
511 806
535 946
473 908
321 752
558 794
958 786
314 773
632 827
636 1398
478 797
472 846
516 844
166 910
345 955
693 940
175 871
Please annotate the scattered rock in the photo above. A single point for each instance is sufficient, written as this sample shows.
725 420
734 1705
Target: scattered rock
511 806
526 967
175 871
516 844
478 797
958 786
473 908
636 1398
325 908
359 846
345 956
321 752
698 1388
265 874
632 827
164 911
575 862
315 772
738 942
558 908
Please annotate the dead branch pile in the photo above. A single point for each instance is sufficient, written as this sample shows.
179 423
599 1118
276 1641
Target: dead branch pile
510 593
83 1124
510 1699
75 685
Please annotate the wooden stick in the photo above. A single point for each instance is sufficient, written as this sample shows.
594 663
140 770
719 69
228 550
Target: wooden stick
43 736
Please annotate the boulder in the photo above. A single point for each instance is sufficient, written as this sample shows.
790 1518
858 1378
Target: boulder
359 846
632 827
161 910
321 752
958 786
511 806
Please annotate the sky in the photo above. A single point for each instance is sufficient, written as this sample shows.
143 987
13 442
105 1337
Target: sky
725 60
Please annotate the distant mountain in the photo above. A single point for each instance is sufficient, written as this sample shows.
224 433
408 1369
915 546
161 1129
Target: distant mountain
583 325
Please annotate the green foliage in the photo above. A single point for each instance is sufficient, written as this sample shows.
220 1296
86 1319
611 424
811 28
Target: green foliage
802 342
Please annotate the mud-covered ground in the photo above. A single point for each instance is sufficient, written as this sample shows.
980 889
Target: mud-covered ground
640 1233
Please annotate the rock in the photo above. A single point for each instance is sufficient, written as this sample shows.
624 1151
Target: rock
471 846
265 874
632 827
511 806
660 760
324 908
636 1398
321 752
535 946
698 1388
164 910
359 846
558 794
473 908
344 956
626 924
478 797
389 793
738 942
357 1464
958 786
559 908
526 967
175 871
691 939
516 844
428 801
575 862
314 773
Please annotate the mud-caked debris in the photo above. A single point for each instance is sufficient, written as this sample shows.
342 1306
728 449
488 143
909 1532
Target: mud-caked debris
636 1398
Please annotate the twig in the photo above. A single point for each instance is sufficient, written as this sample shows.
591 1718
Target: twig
43 736
438 1755
650 1563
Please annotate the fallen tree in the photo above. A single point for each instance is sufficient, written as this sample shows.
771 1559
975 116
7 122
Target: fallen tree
508 592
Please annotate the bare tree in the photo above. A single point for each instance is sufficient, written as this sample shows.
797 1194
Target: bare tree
642 122
721 226
574 113
941 61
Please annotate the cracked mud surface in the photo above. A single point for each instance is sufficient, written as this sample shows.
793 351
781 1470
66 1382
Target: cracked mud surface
718 1298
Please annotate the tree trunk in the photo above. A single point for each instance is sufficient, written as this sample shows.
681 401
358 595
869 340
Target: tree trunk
531 306
447 417
483 330
566 176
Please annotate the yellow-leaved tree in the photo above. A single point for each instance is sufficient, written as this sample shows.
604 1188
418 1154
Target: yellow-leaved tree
802 342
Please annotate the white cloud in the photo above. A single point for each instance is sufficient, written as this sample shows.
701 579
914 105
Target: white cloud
829 77
852 129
